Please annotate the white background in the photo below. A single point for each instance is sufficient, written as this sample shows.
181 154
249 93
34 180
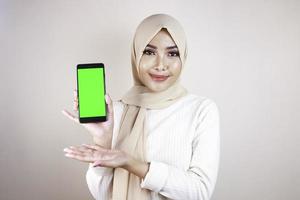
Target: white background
245 55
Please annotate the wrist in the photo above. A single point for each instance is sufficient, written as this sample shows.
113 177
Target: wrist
136 167
129 163
105 143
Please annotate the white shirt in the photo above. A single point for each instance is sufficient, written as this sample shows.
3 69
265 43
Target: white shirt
183 145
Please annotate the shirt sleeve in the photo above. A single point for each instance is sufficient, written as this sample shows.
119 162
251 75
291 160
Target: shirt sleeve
198 182
99 181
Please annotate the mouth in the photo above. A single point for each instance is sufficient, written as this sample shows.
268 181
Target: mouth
159 78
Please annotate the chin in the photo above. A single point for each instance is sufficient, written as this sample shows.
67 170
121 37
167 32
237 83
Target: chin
157 89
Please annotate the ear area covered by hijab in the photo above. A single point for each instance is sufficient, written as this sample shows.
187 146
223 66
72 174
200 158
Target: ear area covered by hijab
132 136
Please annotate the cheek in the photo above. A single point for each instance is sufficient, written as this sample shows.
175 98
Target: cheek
147 62
175 67
145 65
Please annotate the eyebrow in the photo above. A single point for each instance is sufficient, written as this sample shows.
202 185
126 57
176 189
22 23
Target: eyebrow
154 47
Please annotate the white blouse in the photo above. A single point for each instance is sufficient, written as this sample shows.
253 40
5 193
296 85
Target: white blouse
183 145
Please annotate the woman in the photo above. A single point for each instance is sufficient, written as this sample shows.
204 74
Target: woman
159 142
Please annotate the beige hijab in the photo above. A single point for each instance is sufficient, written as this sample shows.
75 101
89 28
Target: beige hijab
132 135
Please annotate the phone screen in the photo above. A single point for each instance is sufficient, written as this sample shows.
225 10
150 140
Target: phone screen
91 92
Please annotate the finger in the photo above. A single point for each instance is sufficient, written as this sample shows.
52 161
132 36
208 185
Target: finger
79 157
104 163
83 149
94 147
110 107
98 163
70 153
73 150
70 116
75 106
75 94
67 150
75 101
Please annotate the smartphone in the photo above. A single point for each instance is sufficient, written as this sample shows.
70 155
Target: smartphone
91 93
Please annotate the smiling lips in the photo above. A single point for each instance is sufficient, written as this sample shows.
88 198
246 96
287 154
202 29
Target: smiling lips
159 77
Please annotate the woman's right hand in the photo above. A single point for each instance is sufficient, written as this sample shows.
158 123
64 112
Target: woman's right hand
101 131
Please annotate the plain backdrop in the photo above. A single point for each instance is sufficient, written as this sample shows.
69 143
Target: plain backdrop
245 55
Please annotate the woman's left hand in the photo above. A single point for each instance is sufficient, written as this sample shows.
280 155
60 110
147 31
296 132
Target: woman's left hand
112 158
97 155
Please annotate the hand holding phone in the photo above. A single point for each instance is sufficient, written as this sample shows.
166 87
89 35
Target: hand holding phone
101 131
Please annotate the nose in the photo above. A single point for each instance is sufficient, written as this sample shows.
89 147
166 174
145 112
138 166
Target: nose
160 64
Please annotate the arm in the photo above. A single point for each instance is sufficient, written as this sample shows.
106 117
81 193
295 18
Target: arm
97 176
199 180
136 167
102 161
195 183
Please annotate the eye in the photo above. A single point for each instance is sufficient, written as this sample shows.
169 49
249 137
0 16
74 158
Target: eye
173 53
148 52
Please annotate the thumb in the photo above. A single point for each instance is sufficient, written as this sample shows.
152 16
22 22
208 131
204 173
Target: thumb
97 163
110 107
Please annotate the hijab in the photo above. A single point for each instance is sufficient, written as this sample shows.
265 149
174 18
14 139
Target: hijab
132 133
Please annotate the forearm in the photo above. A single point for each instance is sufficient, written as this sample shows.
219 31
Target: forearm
136 167
195 183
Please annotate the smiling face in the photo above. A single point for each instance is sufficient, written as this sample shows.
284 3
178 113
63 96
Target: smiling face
160 64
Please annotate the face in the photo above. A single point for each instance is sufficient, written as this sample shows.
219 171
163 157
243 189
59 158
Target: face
160 64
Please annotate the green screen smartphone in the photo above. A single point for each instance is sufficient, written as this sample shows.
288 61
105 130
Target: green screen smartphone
91 92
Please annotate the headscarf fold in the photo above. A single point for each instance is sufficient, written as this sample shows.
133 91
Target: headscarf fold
132 134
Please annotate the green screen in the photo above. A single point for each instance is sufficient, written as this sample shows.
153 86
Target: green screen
91 92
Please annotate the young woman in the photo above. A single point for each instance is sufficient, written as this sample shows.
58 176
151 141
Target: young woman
159 141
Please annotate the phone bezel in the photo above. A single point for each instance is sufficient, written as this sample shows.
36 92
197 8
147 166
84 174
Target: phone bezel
97 118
